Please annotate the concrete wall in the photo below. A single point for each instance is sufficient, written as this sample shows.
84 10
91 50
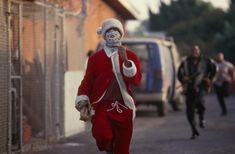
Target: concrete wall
74 43
72 123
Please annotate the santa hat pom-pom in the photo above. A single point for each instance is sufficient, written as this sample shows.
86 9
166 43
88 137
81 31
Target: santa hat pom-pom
99 31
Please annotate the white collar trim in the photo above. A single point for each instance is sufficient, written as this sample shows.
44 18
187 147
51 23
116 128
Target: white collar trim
110 51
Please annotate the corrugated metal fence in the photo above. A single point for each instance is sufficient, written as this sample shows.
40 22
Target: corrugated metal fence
33 60
44 67
4 77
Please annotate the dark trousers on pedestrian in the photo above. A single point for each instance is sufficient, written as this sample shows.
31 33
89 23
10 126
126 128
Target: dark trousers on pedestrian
112 127
194 104
222 92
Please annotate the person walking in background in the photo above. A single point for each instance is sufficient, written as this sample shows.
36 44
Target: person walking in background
105 91
195 74
224 76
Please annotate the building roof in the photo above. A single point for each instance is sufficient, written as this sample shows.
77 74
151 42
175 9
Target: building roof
122 9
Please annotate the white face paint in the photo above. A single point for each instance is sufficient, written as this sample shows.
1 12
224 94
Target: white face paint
113 38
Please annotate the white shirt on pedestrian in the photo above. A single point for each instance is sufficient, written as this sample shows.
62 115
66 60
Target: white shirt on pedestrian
225 69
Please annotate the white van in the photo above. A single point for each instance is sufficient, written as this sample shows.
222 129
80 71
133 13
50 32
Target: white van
159 62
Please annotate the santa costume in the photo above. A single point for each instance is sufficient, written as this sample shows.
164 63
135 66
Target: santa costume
106 89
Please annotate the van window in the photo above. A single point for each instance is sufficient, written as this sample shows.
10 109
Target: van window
141 51
148 54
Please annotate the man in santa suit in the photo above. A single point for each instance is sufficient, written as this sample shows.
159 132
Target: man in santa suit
105 92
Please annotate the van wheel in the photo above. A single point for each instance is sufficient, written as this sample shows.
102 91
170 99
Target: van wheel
161 109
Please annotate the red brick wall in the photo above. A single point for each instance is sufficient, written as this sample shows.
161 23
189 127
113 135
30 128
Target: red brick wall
97 11
72 5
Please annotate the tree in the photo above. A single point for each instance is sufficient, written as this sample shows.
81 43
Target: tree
176 12
202 31
226 41
232 2
190 22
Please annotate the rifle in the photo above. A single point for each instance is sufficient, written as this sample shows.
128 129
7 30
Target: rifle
189 80
207 86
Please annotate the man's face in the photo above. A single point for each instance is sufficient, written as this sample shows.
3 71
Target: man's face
195 52
112 35
220 57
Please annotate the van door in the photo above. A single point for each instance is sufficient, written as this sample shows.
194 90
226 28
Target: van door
155 69
170 74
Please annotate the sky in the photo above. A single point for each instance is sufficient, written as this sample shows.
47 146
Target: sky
142 7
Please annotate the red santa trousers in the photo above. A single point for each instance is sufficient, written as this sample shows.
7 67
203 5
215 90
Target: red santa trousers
112 127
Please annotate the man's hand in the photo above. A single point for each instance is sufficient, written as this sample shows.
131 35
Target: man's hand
84 114
186 79
207 84
232 75
83 108
123 55
207 80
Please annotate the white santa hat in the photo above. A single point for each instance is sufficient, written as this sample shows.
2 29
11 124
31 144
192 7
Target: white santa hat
110 23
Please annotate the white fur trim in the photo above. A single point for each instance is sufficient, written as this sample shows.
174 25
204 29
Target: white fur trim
110 23
81 98
128 100
110 51
129 71
99 30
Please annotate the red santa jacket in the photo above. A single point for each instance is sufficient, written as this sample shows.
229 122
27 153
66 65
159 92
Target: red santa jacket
99 73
